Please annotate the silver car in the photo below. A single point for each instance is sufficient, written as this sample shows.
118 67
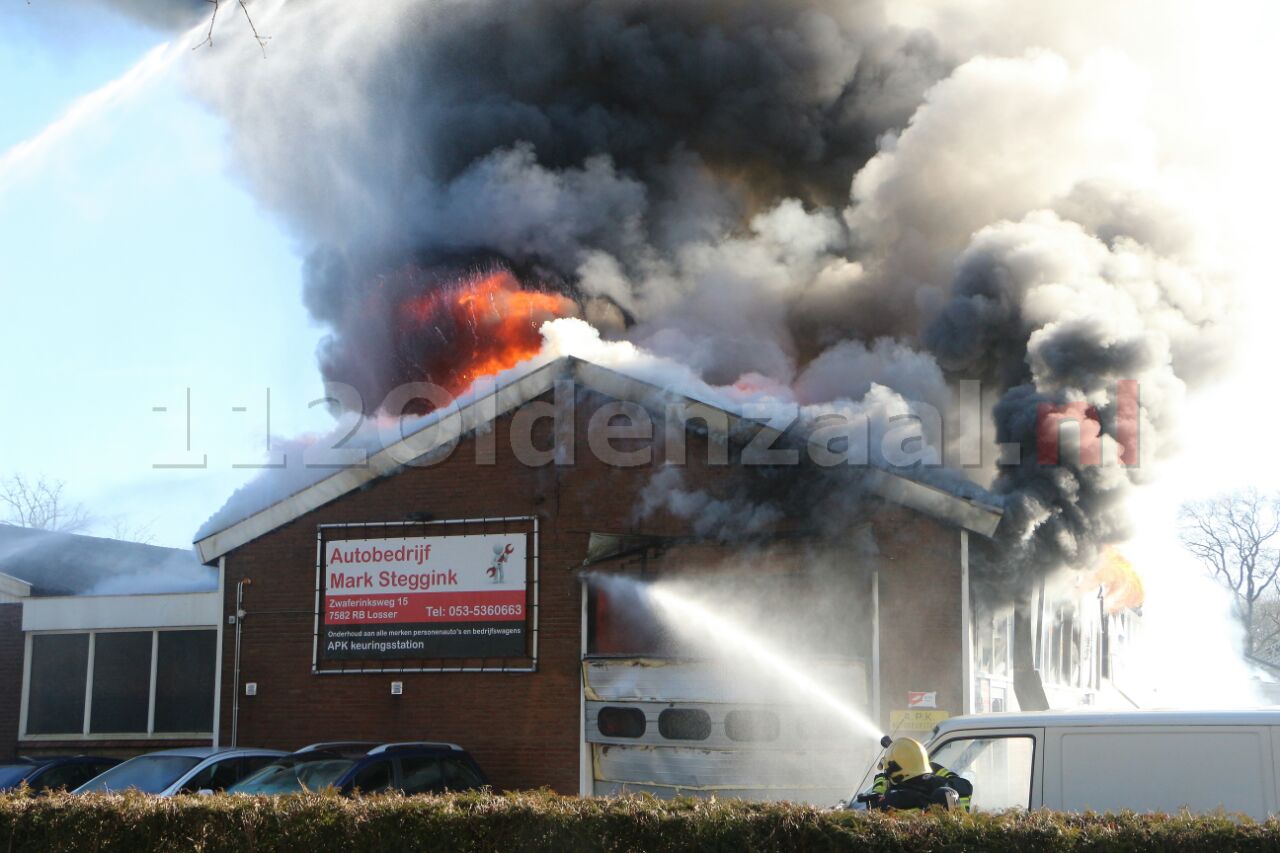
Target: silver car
181 771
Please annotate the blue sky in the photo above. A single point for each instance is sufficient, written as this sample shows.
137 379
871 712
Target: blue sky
133 266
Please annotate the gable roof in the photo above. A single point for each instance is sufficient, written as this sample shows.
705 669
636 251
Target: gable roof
57 563
459 420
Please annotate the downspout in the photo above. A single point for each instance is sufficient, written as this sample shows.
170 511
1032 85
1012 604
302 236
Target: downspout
966 628
217 672
235 678
586 780
876 711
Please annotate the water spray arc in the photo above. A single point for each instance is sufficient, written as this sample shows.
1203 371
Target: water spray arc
690 615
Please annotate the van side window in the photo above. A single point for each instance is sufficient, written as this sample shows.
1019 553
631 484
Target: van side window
998 767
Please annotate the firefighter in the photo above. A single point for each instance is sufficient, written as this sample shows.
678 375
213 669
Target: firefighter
908 780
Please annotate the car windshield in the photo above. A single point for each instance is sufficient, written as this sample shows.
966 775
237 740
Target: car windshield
11 775
150 774
294 775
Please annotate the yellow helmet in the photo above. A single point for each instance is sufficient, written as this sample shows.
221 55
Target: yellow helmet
905 759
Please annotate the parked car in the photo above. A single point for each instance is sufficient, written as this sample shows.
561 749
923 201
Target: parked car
1145 761
55 773
411 768
182 771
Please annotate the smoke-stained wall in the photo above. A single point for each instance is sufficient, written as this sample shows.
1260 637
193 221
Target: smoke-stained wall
524 727
922 646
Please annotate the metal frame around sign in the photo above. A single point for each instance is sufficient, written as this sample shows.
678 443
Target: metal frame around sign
532 584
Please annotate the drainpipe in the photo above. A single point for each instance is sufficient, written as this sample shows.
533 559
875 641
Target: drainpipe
966 629
586 764
235 678
217 671
876 711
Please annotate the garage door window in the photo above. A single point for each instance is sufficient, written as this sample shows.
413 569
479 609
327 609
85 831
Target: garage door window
998 767
621 722
684 724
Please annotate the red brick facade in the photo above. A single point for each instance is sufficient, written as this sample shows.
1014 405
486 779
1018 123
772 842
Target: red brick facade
523 728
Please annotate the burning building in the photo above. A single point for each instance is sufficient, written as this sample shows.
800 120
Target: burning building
454 588
865 214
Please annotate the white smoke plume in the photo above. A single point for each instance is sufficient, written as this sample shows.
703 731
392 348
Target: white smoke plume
845 203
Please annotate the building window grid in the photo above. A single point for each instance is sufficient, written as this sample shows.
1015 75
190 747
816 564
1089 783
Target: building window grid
85 729
993 653
1071 646
994 643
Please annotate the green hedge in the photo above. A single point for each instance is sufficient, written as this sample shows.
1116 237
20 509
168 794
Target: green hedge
543 821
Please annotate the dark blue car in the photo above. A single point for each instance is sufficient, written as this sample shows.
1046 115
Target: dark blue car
348 767
47 774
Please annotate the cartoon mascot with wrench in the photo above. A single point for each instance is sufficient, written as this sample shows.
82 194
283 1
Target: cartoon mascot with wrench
500 556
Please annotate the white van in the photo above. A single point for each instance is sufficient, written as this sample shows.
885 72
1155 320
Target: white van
1112 760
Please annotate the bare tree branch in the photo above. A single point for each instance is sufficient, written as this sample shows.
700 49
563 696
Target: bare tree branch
1237 539
40 503
213 19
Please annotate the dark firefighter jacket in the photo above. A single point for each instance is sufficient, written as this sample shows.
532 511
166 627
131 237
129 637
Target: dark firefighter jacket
917 793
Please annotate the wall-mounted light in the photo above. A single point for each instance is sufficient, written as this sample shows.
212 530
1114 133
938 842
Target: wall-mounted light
251 688
397 688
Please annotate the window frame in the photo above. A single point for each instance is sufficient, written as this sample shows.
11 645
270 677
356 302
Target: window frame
84 734
1035 793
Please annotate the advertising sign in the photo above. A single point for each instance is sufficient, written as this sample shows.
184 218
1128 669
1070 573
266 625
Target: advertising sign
424 597
922 699
915 720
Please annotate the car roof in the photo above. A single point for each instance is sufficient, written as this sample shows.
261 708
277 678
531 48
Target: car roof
1103 717
211 751
416 746
46 760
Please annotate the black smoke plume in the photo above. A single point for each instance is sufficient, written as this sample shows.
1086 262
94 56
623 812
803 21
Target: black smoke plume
810 192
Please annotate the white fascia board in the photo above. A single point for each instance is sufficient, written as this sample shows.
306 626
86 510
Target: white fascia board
603 380
895 488
930 500
106 612
13 589
448 428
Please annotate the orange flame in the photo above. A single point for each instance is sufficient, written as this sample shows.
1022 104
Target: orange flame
1121 584
486 325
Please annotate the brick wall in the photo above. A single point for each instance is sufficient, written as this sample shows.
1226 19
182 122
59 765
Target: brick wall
920 636
11 651
523 728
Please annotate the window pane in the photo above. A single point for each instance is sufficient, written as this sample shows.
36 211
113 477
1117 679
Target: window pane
422 775
461 777
121 682
150 774
68 776
59 664
184 681
216 777
621 722
375 777
684 724
998 767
